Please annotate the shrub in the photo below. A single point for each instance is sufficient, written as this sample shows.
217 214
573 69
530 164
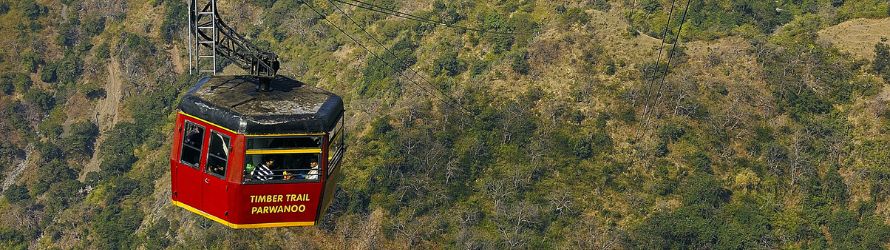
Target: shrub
16 193
6 87
700 162
881 64
102 51
31 61
601 142
173 20
67 35
92 91
80 138
48 73
31 9
12 239
520 63
610 67
602 5
262 3
94 25
493 21
69 69
379 75
63 194
574 16
114 227
662 149
671 132
449 64
117 150
41 100
51 174
837 3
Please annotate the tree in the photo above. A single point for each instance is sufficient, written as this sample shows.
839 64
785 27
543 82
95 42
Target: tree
700 162
16 193
94 25
520 63
80 138
449 64
6 87
40 99
381 72
173 21
13 239
574 16
48 73
881 63
31 9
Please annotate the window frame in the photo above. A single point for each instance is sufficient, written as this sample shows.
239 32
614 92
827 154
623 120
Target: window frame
182 144
310 137
338 134
282 151
228 144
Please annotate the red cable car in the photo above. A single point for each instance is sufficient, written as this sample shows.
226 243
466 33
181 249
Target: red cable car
248 158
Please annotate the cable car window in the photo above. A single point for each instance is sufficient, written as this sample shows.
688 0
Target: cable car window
218 154
192 141
284 142
282 168
335 146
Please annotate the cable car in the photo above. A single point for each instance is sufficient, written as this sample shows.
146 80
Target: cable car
252 158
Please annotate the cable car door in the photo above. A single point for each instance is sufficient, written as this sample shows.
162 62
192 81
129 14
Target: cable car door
216 197
188 170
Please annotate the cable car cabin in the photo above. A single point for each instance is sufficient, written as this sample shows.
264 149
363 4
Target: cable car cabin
250 159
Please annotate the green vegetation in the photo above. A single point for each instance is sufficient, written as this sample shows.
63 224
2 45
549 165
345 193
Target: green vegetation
881 63
16 193
549 130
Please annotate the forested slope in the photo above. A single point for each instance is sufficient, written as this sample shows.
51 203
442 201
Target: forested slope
570 124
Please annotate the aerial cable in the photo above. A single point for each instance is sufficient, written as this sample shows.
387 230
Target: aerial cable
664 36
324 17
646 82
396 13
373 38
671 53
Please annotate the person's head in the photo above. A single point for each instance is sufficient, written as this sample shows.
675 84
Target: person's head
313 163
269 162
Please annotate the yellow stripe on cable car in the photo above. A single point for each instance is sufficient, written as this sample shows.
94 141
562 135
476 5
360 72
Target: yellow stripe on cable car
287 135
284 151
239 226
205 121
264 135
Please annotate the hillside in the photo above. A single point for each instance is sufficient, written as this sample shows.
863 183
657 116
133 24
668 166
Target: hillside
565 124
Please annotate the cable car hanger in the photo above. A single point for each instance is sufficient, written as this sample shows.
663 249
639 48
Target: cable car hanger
207 30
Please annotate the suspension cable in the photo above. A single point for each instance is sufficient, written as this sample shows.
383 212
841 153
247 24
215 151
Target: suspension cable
671 53
379 42
646 80
375 55
396 13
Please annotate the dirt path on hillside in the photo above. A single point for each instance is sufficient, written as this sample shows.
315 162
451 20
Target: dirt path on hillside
106 113
14 174
177 62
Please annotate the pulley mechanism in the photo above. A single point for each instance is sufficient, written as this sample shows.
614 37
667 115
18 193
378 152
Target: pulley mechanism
210 37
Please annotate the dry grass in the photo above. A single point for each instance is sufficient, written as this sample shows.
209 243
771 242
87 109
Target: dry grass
858 36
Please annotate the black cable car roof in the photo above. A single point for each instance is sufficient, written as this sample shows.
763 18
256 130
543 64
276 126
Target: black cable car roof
289 107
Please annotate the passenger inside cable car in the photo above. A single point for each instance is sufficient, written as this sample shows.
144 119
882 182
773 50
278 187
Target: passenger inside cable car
288 160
